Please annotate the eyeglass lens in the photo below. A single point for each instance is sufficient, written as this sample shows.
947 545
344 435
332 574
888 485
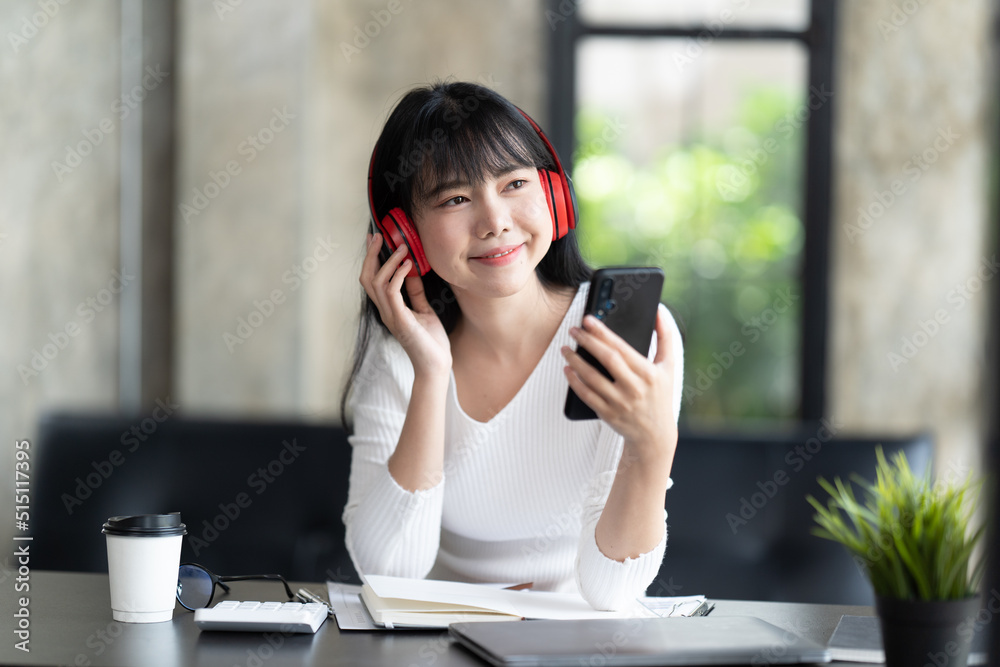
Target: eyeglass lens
194 587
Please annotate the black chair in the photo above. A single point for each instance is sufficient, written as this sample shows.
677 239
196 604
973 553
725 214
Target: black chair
739 526
257 497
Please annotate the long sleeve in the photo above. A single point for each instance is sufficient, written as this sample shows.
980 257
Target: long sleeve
603 582
390 530
522 502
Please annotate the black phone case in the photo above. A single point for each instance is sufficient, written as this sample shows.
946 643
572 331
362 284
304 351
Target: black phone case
629 309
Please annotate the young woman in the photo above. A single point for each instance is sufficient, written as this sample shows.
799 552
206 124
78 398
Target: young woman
464 466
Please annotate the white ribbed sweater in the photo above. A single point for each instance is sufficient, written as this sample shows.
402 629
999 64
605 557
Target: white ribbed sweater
521 494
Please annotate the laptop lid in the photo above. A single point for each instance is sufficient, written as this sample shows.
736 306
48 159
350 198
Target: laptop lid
711 640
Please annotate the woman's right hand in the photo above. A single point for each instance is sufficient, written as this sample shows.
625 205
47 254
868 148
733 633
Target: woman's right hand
418 329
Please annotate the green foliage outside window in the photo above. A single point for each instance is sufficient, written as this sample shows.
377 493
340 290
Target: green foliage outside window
720 215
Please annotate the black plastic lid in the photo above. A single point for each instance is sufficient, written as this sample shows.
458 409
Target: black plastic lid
146 525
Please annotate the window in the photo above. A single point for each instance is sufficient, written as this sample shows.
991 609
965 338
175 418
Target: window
705 150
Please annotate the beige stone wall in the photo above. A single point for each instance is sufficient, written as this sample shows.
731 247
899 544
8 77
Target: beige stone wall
58 226
241 137
291 222
911 145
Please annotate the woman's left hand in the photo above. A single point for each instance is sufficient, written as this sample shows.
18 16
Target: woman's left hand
638 404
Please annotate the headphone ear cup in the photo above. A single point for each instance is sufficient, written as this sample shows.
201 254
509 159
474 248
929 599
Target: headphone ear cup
561 199
574 211
397 229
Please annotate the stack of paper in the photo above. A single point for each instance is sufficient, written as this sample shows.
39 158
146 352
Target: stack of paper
680 606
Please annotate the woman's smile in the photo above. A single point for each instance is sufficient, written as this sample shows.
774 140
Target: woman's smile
500 256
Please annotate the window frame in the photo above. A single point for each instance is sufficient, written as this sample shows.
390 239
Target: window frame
818 39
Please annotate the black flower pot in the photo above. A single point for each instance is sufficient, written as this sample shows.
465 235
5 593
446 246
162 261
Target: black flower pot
921 632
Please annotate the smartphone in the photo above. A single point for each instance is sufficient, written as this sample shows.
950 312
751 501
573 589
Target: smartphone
626 300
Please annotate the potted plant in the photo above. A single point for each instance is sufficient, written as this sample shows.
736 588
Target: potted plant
915 543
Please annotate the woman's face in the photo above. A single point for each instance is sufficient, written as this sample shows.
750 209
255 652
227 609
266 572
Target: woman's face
486 239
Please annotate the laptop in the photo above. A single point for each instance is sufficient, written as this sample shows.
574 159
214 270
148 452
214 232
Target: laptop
708 640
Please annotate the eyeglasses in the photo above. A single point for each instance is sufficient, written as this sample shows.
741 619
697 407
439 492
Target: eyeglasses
196 584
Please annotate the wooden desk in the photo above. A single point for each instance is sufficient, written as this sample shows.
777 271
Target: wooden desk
71 624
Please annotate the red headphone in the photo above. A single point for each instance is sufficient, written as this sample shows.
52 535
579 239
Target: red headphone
397 229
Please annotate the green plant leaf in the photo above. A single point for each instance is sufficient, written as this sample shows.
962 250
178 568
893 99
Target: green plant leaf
906 547
912 539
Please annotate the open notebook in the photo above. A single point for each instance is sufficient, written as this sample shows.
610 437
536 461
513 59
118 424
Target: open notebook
427 603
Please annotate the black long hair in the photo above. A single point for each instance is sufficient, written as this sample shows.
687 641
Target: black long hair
433 133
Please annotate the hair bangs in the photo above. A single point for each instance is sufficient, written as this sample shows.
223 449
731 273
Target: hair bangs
481 147
450 132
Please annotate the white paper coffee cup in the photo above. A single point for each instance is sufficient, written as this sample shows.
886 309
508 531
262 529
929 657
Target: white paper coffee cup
144 554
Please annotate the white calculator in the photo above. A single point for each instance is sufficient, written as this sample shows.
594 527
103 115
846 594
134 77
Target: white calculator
252 616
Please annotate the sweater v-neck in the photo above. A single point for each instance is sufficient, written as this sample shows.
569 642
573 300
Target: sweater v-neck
573 314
